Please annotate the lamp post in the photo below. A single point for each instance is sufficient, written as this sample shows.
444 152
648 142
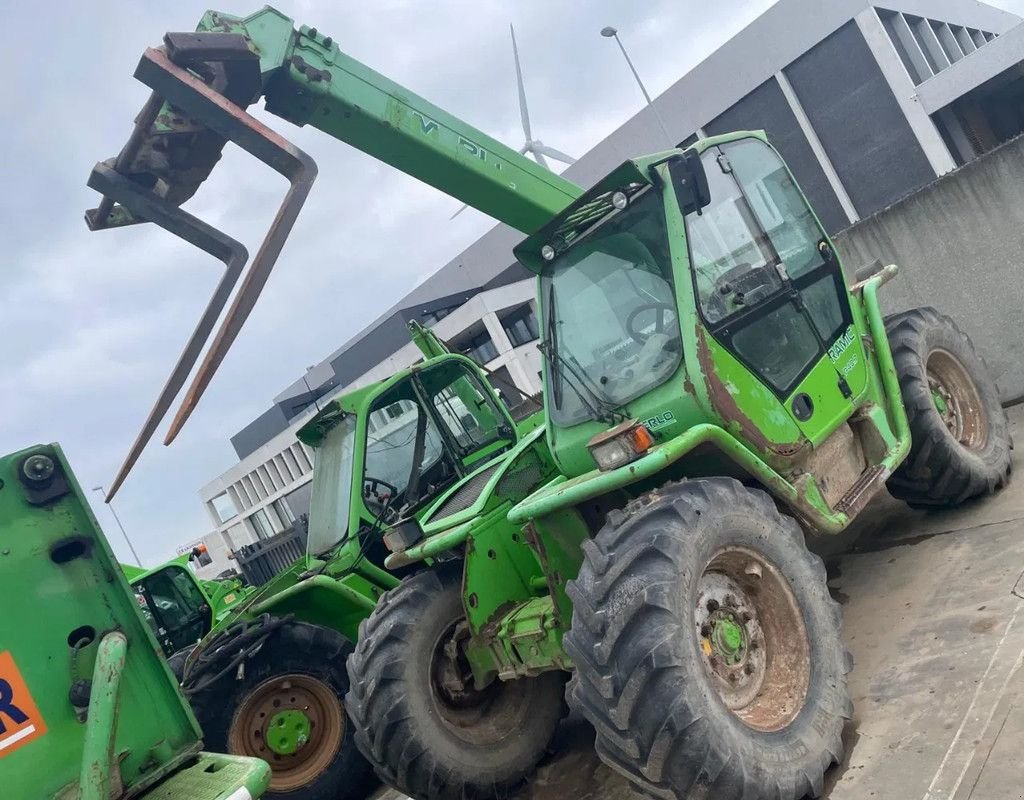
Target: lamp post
117 519
611 33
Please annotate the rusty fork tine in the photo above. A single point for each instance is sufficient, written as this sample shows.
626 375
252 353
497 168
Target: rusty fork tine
146 205
188 93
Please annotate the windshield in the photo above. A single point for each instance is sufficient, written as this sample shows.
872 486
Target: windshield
610 313
391 450
332 487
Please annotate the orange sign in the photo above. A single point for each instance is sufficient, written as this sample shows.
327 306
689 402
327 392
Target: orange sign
20 720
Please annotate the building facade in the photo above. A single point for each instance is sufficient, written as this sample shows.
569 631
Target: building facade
867 102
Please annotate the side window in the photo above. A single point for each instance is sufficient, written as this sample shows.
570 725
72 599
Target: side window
756 224
165 598
469 426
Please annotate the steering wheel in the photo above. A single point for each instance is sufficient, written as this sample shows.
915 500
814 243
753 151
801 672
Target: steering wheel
663 309
372 488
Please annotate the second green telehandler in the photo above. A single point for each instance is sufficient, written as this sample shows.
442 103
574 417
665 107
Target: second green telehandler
264 667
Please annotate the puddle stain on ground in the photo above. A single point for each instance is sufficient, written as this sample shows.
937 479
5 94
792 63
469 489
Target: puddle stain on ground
984 625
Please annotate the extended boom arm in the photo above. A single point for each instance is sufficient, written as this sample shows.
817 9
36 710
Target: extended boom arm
202 84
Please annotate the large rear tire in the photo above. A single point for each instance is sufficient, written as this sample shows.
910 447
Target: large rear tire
960 437
418 718
287 709
707 648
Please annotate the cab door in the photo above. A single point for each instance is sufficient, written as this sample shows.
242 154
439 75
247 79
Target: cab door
771 294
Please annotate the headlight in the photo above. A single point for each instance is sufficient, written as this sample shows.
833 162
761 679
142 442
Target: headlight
547 252
619 200
624 443
403 535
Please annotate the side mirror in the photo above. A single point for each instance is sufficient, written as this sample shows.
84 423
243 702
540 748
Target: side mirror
690 182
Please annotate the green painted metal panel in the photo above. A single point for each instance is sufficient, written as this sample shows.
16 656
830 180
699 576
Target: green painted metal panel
308 80
70 595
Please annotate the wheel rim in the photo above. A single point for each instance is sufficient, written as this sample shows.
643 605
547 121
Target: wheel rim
956 399
477 717
752 639
294 722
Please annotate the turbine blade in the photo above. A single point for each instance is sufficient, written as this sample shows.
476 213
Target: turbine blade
524 112
535 151
558 155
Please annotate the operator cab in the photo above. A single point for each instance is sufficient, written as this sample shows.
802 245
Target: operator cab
688 267
174 606
387 452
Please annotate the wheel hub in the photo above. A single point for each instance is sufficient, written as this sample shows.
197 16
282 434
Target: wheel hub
287 731
752 638
295 722
728 639
956 399
731 638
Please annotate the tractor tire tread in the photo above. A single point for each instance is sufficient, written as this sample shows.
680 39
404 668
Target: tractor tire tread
627 683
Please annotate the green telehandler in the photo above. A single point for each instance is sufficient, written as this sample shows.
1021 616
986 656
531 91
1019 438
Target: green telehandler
713 390
395 445
88 709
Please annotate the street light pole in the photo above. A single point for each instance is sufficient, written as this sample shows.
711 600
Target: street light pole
117 519
611 33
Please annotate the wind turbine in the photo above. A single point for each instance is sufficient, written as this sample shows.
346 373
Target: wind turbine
534 147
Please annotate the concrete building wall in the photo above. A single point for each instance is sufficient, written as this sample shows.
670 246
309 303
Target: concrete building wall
766 107
959 243
875 153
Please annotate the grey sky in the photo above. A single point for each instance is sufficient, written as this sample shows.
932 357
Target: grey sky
91 323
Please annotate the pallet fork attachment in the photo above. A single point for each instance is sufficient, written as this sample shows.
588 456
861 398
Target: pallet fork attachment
201 85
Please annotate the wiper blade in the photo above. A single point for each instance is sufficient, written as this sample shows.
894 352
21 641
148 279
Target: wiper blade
599 408
609 409
550 349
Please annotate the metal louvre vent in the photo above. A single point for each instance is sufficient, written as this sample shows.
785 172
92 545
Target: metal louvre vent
518 483
465 495
580 220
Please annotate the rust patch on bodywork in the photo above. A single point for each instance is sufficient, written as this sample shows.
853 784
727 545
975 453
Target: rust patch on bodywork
726 406
537 543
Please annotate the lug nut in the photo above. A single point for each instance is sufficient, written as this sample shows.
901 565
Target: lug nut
705 630
749 669
730 600
754 645
732 677
746 616
713 605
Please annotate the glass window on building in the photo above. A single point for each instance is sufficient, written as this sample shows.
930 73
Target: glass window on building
432 317
521 325
261 522
224 507
284 511
480 348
